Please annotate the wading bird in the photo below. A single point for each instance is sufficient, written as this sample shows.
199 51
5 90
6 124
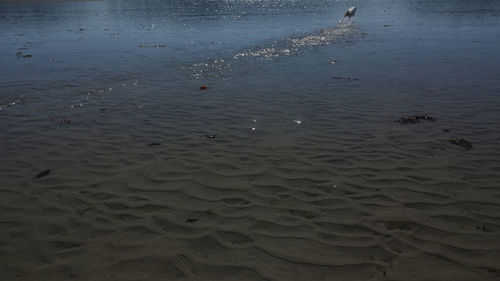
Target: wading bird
350 12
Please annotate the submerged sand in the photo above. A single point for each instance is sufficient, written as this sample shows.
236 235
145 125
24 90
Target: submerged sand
287 201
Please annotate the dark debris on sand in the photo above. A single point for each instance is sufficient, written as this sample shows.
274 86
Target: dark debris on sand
191 220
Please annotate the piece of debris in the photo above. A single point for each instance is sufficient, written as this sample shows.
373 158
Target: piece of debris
153 144
209 136
202 88
386 25
463 143
298 122
415 119
446 130
143 46
42 174
160 46
65 121
333 61
191 220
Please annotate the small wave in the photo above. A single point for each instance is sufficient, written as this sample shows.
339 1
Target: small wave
12 103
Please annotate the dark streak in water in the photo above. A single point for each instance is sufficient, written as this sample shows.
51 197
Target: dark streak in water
42 174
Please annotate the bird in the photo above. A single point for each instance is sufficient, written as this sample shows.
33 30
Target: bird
350 12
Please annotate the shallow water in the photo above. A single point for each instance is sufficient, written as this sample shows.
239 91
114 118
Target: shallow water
307 176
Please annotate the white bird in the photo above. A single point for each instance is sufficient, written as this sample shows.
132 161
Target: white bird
350 12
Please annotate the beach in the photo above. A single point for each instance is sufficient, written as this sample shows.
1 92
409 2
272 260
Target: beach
249 140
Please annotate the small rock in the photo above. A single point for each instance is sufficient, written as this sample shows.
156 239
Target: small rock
209 136
191 220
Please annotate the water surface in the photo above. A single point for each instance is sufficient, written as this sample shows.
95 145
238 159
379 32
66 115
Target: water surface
290 166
